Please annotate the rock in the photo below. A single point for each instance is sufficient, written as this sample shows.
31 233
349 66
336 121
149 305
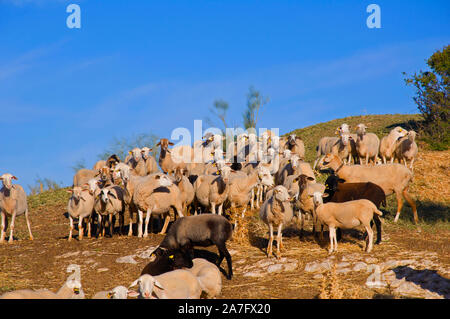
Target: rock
410 289
146 253
290 266
126 260
343 270
263 263
318 276
275 268
253 274
360 266
318 267
342 264
88 253
89 261
73 254
389 265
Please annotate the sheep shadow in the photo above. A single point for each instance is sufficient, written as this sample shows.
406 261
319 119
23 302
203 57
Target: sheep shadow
426 279
409 125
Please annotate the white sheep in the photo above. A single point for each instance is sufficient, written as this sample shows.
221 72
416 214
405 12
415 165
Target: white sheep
208 276
119 292
345 215
109 202
388 143
70 290
406 149
13 202
276 211
367 145
176 284
81 206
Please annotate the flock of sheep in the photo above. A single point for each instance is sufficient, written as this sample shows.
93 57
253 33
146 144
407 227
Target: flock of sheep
209 190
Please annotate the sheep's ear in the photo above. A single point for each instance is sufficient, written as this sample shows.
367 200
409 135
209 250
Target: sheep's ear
171 144
13 177
340 180
309 178
158 284
112 194
158 144
324 195
135 283
130 152
151 149
69 190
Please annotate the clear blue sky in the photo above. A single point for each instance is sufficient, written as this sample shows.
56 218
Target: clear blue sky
151 66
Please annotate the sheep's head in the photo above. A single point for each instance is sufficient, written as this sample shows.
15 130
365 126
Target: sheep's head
164 143
265 177
318 198
77 192
302 181
92 185
329 161
281 194
104 173
146 284
164 180
344 128
136 153
74 285
412 135
145 152
7 180
122 171
294 161
119 292
225 173
332 182
287 153
345 138
292 139
361 129
398 132
105 195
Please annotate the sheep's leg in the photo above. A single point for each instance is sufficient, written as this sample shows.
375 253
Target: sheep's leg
80 228
166 223
252 204
213 208
269 246
130 225
411 164
147 219
71 227
28 224
412 204
377 222
111 225
11 231
89 226
3 232
279 239
140 219
99 225
369 243
220 209
332 233
399 206
121 221
223 252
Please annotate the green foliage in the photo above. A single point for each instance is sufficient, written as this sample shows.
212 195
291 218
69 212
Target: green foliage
44 184
121 146
52 197
433 99
254 103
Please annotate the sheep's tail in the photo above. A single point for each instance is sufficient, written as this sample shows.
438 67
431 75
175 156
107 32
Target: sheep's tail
378 212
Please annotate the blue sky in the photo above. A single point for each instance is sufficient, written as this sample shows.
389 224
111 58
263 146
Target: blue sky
152 66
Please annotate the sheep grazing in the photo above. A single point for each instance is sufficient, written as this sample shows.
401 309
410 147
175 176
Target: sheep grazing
70 290
13 202
201 230
176 284
324 147
367 145
392 178
345 215
338 192
108 203
388 144
211 191
119 292
81 205
208 277
295 145
276 211
406 149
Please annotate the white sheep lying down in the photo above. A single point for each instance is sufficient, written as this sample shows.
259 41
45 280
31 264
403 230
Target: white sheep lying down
70 290
175 284
208 276
345 215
